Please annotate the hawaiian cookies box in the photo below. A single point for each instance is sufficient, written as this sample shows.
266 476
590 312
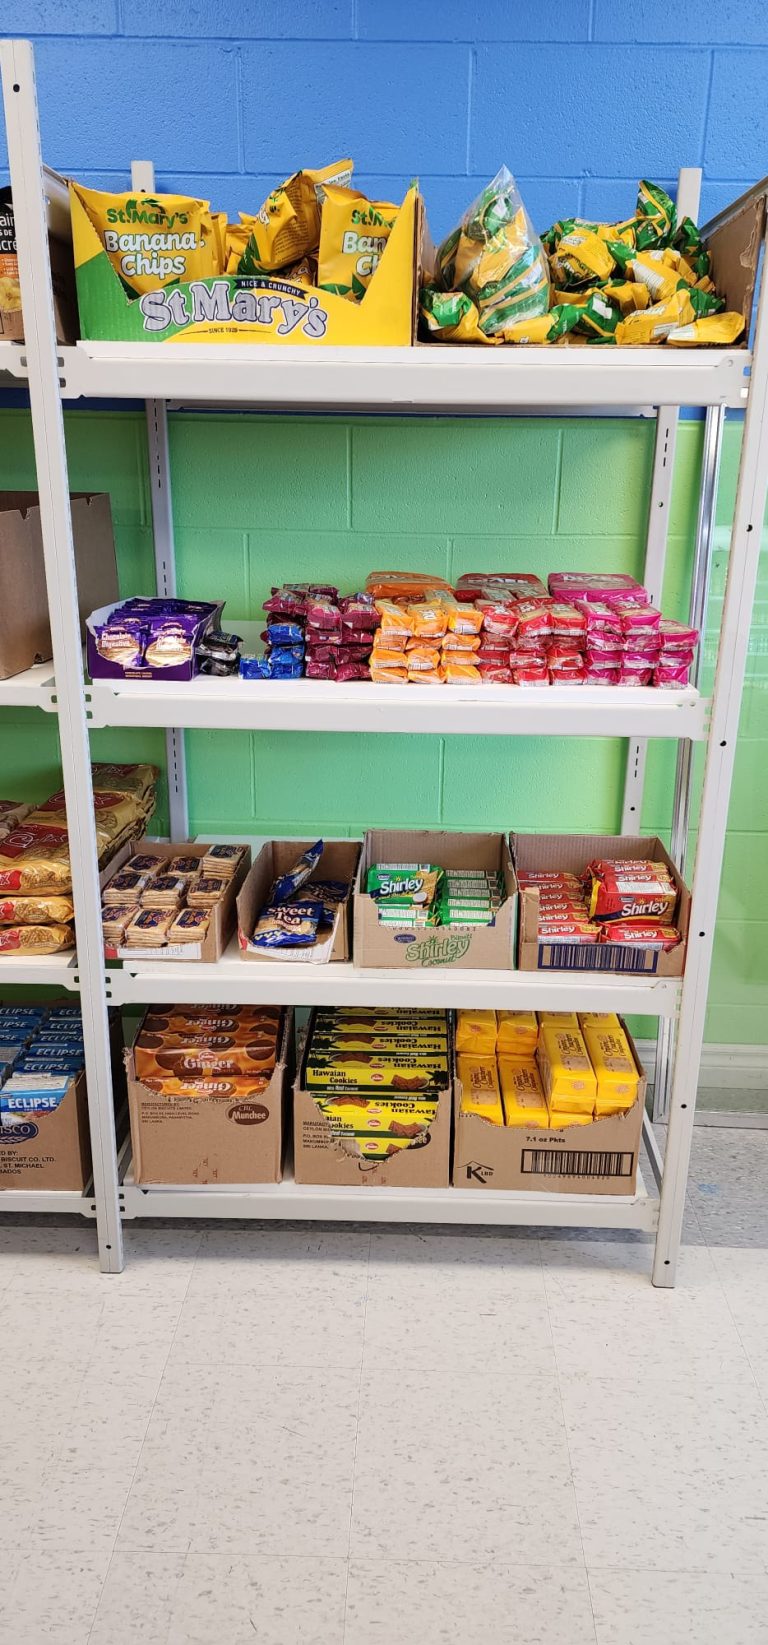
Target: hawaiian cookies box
465 933
372 1104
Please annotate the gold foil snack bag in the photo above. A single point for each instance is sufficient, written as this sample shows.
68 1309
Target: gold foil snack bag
353 235
153 240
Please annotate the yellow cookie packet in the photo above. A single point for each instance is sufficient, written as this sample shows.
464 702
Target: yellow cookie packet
353 235
153 240
288 224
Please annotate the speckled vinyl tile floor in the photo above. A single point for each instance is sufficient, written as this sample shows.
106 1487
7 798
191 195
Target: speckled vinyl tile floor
338 1436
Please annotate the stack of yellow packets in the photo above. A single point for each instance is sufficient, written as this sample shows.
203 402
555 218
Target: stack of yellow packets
376 1074
553 1070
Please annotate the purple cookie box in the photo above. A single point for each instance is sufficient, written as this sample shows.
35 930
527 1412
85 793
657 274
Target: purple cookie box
100 668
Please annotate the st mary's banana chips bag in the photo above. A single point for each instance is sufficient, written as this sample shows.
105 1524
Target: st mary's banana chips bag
153 240
353 235
288 224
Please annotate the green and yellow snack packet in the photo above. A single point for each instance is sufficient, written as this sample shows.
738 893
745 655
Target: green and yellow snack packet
288 224
450 316
598 319
582 257
523 293
714 328
655 323
496 258
542 328
627 295
656 216
153 240
353 235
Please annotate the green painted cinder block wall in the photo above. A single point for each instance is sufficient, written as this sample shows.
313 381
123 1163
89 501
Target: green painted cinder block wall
259 499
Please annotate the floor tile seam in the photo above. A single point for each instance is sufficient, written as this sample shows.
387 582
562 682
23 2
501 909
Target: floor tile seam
153 1406
357 1434
568 1450
167 1630
760 1394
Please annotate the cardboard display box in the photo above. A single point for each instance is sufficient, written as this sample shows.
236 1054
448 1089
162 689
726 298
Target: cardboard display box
254 309
49 1149
223 913
103 668
322 1158
25 633
480 947
338 862
52 1148
211 1138
62 280
571 853
600 1158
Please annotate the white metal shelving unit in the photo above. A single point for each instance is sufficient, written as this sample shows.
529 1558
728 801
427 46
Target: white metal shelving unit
434 380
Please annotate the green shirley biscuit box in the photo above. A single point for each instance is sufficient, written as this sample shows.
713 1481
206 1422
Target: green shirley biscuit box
403 921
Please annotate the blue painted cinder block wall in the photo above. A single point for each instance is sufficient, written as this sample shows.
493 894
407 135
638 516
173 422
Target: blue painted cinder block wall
577 97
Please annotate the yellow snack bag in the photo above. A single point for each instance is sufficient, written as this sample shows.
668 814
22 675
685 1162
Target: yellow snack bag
480 1093
476 1033
219 223
517 1033
626 295
654 324
581 256
713 328
288 224
153 240
522 1093
353 234
235 241
651 269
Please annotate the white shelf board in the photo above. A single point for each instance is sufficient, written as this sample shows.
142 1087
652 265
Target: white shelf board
481 1206
236 980
39 970
15 1201
359 705
35 688
438 379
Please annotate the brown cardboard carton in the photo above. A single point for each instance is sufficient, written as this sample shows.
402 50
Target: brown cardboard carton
62 281
599 1158
481 947
210 1139
25 634
322 1158
222 916
571 853
338 862
50 1150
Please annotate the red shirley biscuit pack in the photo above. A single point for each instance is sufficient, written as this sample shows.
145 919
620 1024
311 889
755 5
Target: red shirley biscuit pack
643 935
631 891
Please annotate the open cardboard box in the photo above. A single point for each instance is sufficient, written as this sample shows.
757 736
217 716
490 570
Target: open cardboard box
322 1158
52 1148
223 913
25 630
600 1158
571 853
231 308
477 947
214 1137
62 280
338 862
104 668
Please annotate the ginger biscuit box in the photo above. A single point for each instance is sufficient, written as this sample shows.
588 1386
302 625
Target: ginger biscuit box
211 1130
585 1156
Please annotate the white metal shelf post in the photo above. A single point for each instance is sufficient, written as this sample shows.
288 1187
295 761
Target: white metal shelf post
667 419
746 531
143 180
18 79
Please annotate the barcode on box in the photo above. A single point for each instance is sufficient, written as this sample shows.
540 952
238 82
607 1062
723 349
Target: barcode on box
576 1162
571 956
